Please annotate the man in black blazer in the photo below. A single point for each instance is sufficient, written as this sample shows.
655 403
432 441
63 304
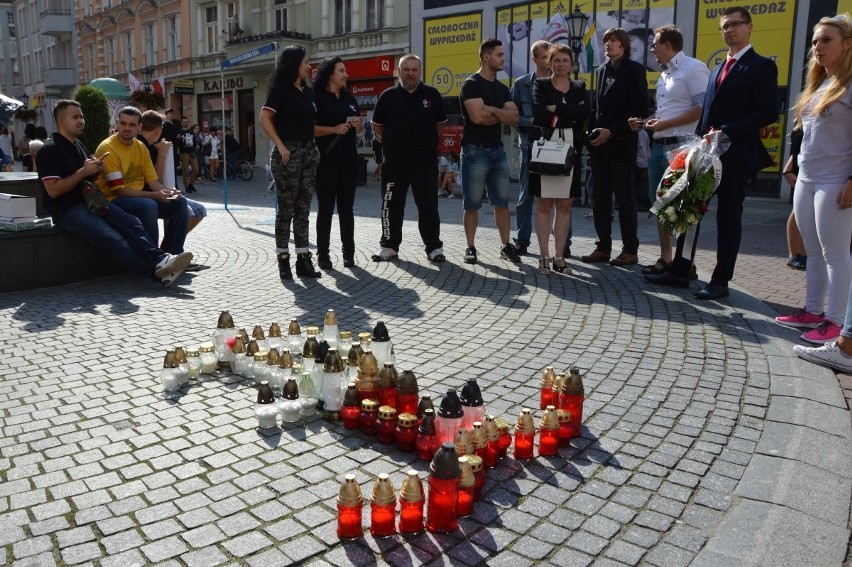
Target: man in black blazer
621 92
741 98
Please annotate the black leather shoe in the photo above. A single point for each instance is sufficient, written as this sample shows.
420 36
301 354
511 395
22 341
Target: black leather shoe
348 259
324 261
713 291
669 279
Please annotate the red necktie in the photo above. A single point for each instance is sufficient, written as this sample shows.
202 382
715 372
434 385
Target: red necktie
728 64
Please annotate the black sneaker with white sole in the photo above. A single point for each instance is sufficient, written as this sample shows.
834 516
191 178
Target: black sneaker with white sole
508 252
470 255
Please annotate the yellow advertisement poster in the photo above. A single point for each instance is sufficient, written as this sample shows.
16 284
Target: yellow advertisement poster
451 51
844 6
771 35
773 140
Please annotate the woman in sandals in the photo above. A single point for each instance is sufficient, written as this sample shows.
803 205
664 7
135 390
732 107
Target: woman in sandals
559 101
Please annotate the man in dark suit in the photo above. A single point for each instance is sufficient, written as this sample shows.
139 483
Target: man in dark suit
621 92
741 98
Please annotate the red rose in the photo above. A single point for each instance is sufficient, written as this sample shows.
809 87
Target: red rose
703 208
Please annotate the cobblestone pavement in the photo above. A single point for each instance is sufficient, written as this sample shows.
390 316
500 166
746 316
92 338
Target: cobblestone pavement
705 441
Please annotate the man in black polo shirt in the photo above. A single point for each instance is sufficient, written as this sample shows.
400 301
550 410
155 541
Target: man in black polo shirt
486 105
62 169
188 157
407 121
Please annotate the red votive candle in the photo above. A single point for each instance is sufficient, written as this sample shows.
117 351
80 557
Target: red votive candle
350 504
411 501
383 508
369 414
443 491
406 432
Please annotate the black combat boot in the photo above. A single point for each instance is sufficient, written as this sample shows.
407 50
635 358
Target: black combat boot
305 266
284 266
324 261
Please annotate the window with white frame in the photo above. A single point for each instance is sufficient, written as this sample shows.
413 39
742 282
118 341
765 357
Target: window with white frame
279 12
375 14
342 16
127 50
211 18
10 16
232 9
109 56
149 44
172 30
23 21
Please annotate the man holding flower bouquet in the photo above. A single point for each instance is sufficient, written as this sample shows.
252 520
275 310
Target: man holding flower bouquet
741 98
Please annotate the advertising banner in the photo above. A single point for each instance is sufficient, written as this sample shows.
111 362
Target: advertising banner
451 51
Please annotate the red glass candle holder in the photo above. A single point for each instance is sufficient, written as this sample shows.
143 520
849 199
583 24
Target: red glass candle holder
382 519
505 437
387 396
464 506
427 444
524 445
406 403
546 397
564 417
548 442
574 404
441 507
349 521
406 432
369 415
351 416
411 517
477 466
492 454
386 425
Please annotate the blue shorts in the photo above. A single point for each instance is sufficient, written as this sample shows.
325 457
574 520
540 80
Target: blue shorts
484 169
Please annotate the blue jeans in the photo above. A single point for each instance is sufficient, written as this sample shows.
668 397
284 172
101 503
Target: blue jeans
484 169
118 232
846 331
175 213
524 209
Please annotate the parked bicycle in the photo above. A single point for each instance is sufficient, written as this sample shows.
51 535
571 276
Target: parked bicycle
245 170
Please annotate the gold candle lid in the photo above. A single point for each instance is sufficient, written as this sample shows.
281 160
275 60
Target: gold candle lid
345 336
383 492
225 321
548 377
170 360
260 356
525 423
559 381
407 420
502 425
275 329
257 333
476 463
466 479
563 415
309 349
205 347
294 328
574 383
369 405
285 359
463 442
369 365
192 351
354 355
477 435
272 357
388 376
333 362
412 488
550 420
252 348
244 335
350 492
180 354
387 412
313 331
239 345
330 317
365 337
490 428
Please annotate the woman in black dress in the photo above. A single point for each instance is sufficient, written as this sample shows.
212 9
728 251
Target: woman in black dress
338 121
559 101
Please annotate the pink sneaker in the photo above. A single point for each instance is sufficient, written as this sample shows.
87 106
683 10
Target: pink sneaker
800 319
825 332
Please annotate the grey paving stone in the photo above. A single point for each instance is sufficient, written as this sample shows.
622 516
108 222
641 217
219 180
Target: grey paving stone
164 549
32 546
666 555
587 543
625 553
302 548
122 542
81 553
131 558
807 445
246 544
204 557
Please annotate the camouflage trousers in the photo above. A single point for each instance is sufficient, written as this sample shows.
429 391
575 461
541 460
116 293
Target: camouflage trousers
295 182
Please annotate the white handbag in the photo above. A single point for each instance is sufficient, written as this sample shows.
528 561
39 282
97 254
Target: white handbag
554 156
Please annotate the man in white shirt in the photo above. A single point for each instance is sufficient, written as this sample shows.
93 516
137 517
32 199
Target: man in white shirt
680 95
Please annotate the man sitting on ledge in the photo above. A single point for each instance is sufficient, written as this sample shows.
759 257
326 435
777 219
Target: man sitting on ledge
127 169
62 168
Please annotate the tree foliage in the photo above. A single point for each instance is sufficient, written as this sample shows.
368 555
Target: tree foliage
96 112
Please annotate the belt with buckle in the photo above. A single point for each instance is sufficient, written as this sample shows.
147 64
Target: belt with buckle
299 145
667 141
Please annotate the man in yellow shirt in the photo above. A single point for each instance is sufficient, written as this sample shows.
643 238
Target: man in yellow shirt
127 168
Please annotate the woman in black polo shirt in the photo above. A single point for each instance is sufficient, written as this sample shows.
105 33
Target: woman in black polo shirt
287 117
338 120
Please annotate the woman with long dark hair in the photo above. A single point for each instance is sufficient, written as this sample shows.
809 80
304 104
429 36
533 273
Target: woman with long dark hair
338 121
287 118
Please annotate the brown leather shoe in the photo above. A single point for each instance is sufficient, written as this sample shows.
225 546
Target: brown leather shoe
597 256
624 259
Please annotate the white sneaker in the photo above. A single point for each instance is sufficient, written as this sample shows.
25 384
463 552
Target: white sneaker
385 255
829 355
172 266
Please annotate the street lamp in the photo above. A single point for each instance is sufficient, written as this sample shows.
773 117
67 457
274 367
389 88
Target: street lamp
26 100
577 21
147 74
